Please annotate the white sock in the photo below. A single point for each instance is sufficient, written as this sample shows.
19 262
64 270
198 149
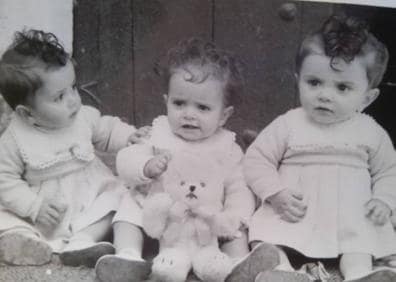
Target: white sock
131 254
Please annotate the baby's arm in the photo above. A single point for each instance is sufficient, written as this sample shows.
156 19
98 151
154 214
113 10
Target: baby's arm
260 167
238 199
109 133
157 165
141 163
15 193
382 164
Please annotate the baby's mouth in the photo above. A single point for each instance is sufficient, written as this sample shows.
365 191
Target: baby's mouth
189 126
323 109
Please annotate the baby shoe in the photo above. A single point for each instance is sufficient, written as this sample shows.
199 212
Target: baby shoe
282 276
263 257
122 267
82 250
315 271
389 261
382 275
23 247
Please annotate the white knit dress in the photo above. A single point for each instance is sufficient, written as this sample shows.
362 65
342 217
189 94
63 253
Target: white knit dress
338 168
60 165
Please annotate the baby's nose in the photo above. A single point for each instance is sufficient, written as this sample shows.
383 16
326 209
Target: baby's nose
324 96
189 113
192 188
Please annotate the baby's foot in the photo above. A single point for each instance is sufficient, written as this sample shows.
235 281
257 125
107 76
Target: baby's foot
383 275
23 247
122 267
282 276
82 250
263 257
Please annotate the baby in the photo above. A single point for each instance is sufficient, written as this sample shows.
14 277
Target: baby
325 172
53 189
203 83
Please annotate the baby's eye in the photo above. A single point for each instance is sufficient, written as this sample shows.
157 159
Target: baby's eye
182 183
202 184
314 82
203 108
178 103
343 87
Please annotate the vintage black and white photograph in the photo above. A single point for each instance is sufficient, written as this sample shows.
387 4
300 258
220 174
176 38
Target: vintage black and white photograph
197 140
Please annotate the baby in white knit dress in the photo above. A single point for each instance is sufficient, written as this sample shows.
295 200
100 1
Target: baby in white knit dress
325 172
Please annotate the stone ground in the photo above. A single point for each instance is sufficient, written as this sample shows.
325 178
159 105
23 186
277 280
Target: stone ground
56 272
52 272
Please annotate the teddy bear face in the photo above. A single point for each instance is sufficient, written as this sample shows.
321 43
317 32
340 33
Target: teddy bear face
194 180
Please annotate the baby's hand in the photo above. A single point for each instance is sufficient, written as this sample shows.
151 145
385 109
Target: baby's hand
377 211
140 134
50 213
157 165
289 205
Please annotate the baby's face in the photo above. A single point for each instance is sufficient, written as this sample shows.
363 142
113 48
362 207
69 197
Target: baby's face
57 102
329 95
195 110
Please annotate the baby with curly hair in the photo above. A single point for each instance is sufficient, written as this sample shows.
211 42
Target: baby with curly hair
326 172
55 194
203 83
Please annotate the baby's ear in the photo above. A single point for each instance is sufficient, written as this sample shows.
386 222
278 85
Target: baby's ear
25 113
370 97
227 113
165 96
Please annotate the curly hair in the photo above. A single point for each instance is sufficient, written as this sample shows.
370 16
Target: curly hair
211 60
30 49
342 37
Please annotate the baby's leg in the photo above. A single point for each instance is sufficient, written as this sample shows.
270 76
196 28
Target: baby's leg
127 264
128 238
22 246
236 248
355 265
83 248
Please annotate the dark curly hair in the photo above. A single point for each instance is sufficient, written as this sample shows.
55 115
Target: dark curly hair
211 60
30 49
342 37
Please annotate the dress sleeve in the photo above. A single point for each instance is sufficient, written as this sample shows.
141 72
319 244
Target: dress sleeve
383 171
238 197
130 163
109 134
15 193
263 158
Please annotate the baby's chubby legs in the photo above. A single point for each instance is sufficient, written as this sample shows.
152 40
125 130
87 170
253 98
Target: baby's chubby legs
85 248
127 264
355 265
236 248
128 239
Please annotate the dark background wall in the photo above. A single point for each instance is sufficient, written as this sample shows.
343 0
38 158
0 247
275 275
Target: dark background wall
117 42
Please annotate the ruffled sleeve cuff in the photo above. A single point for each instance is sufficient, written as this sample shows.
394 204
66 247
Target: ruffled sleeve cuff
130 167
